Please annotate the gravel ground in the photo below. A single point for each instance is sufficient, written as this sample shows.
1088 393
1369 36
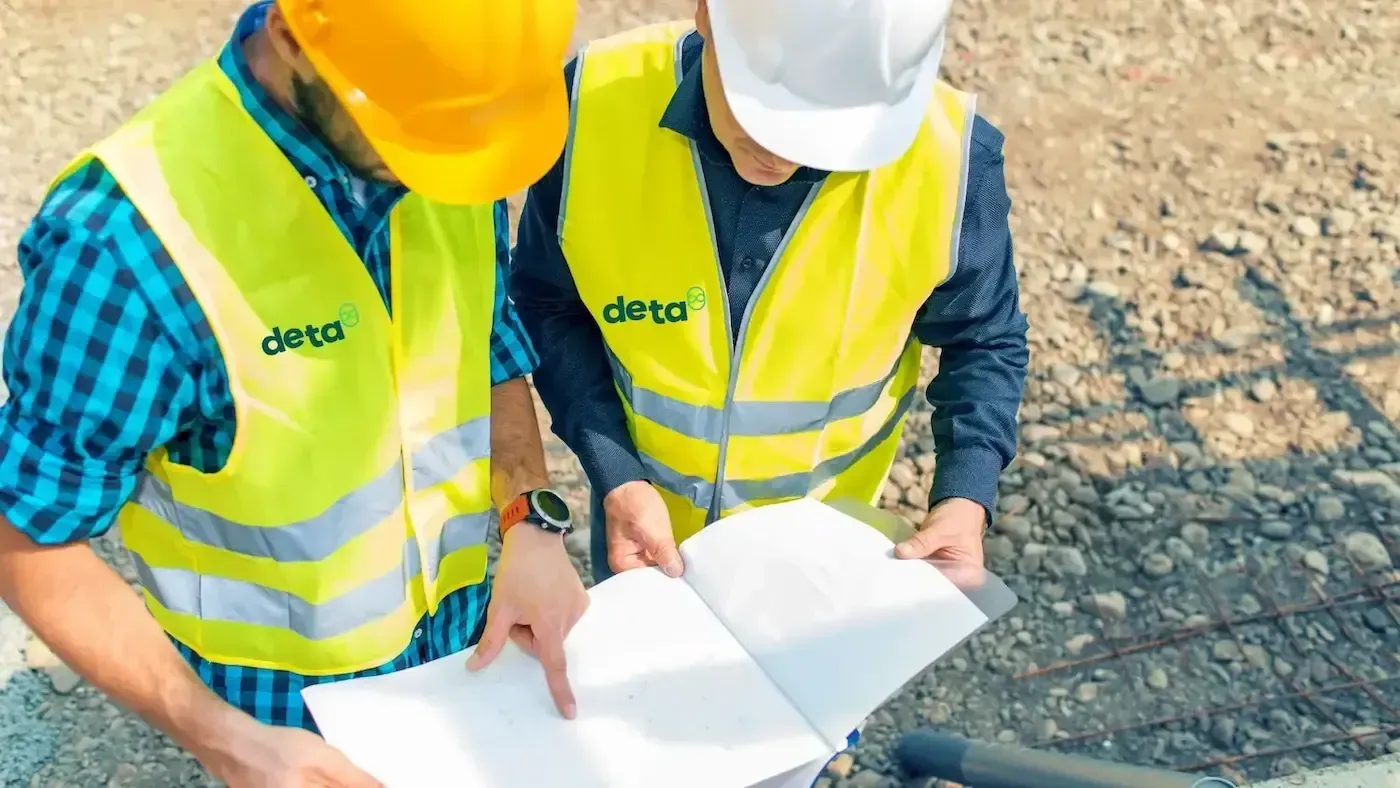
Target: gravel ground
1206 508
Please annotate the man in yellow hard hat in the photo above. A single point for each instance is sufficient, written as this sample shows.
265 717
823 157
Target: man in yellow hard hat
756 223
264 329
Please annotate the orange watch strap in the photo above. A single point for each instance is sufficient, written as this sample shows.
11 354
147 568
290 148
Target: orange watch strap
514 512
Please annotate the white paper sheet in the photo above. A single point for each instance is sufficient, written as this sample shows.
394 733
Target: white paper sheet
666 696
793 623
820 601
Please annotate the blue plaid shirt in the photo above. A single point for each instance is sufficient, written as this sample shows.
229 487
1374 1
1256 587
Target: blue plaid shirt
109 357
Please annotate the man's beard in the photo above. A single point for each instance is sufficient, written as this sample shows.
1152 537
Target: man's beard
317 109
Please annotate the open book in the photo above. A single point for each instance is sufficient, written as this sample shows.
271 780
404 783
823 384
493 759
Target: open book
793 622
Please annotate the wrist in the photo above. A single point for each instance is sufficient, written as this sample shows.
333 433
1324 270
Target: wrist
540 509
971 473
529 535
961 503
964 509
609 461
212 731
621 494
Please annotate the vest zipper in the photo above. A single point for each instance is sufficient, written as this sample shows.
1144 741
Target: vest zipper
736 351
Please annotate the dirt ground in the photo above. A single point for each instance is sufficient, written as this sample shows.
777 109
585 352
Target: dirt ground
1203 519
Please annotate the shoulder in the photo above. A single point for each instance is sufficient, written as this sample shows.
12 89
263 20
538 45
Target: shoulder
987 139
77 210
986 163
88 247
624 58
86 208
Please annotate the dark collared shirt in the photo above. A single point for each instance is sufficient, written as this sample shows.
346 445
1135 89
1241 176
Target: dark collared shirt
975 317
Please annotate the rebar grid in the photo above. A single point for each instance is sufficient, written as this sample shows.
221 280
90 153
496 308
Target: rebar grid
1365 589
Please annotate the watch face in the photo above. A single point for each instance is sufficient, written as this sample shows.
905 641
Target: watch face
551 506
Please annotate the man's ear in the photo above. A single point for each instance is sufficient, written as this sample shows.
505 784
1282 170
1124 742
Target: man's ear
281 36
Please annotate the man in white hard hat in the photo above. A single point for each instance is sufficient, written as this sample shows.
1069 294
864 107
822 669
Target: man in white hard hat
729 273
753 227
755 224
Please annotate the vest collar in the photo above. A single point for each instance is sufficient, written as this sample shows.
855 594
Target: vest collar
687 115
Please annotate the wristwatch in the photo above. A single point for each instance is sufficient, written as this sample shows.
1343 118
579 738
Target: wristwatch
543 508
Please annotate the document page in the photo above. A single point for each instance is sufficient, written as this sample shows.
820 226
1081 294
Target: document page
666 696
819 600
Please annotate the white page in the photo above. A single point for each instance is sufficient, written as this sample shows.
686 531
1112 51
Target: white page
819 600
665 696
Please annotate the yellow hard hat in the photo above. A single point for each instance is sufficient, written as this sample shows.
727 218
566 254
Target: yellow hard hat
463 99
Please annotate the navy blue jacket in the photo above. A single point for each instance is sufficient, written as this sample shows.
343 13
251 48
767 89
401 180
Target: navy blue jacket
975 317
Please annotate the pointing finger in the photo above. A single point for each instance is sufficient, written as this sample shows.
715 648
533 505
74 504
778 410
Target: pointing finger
556 673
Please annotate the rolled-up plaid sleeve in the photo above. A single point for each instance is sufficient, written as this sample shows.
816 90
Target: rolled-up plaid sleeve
512 354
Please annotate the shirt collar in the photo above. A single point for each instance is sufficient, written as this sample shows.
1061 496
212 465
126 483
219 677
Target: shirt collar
687 115
302 147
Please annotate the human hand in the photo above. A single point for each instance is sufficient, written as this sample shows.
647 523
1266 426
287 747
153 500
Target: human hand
951 532
254 755
639 530
536 599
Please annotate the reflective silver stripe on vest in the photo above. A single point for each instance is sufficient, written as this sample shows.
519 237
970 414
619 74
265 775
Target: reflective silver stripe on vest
569 141
969 120
214 598
447 453
748 418
313 539
463 530
740 491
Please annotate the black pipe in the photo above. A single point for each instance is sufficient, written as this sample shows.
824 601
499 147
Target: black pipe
927 753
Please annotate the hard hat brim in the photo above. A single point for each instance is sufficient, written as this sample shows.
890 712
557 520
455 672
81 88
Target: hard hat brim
524 139
820 136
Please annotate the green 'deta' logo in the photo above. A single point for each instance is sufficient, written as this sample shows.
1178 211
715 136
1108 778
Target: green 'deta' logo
622 310
347 316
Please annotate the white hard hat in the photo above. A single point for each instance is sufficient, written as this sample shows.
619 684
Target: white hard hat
837 85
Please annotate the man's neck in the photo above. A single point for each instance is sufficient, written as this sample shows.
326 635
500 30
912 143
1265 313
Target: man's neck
269 70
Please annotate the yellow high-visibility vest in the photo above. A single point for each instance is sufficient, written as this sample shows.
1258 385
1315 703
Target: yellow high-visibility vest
812 398
357 493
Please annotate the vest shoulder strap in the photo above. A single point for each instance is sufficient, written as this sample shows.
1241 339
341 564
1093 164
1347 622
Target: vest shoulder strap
657 39
624 67
621 83
952 105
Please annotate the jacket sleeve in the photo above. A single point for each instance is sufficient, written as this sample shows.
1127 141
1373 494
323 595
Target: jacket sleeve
573 377
975 319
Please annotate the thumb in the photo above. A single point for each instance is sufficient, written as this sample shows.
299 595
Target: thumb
353 777
493 638
660 544
921 545
343 773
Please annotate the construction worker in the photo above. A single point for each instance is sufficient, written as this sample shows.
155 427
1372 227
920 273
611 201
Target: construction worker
264 329
753 227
